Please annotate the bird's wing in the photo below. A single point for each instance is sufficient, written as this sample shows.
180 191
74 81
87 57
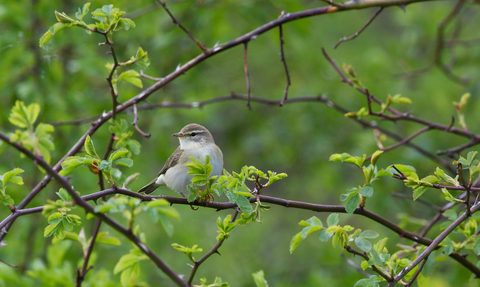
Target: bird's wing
172 160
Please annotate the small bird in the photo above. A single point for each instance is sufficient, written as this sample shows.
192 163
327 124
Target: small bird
195 141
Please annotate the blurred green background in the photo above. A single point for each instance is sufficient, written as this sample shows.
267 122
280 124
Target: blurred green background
67 78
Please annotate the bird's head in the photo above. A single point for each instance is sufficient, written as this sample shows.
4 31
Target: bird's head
194 136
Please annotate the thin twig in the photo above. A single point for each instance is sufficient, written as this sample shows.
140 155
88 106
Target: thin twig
86 257
404 141
208 254
175 21
282 58
355 266
135 119
142 74
433 245
365 256
247 75
401 195
344 39
414 277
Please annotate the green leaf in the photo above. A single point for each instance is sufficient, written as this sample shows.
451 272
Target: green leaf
375 157
295 241
370 234
332 219
90 148
167 224
104 238
125 162
419 191
259 279
11 176
366 191
158 202
50 229
244 204
127 261
64 195
324 235
352 203
132 77
51 32
345 157
118 153
363 244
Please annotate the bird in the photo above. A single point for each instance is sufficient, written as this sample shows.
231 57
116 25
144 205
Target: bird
195 141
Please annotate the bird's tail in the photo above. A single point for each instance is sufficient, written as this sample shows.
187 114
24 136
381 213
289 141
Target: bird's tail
149 188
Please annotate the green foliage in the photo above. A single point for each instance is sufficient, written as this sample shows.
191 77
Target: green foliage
372 281
259 279
439 178
9 176
60 221
93 161
108 19
37 139
129 265
123 137
187 250
56 271
397 99
130 208
217 283
224 227
356 196
338 234
348 69
234 185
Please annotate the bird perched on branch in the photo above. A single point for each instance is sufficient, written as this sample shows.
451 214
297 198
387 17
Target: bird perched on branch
195 141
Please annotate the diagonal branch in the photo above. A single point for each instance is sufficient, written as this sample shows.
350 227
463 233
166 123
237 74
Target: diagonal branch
90 209
175 21
344 39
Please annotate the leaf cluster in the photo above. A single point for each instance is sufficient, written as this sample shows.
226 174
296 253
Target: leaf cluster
60 221
37 139
13 177
96 164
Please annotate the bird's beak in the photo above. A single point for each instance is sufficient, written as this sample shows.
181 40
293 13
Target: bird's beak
178 135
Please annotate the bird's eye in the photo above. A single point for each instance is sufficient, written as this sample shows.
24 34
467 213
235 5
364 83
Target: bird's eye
193 134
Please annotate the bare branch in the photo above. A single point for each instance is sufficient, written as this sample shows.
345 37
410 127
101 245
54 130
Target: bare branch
135 122
344 39
247 75
282 58
175 21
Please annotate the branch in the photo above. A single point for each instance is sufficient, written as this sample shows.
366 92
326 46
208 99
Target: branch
90 209
135 122
247 75
344 39
208 254
200 45
282 58
434 245
86 257
365 256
